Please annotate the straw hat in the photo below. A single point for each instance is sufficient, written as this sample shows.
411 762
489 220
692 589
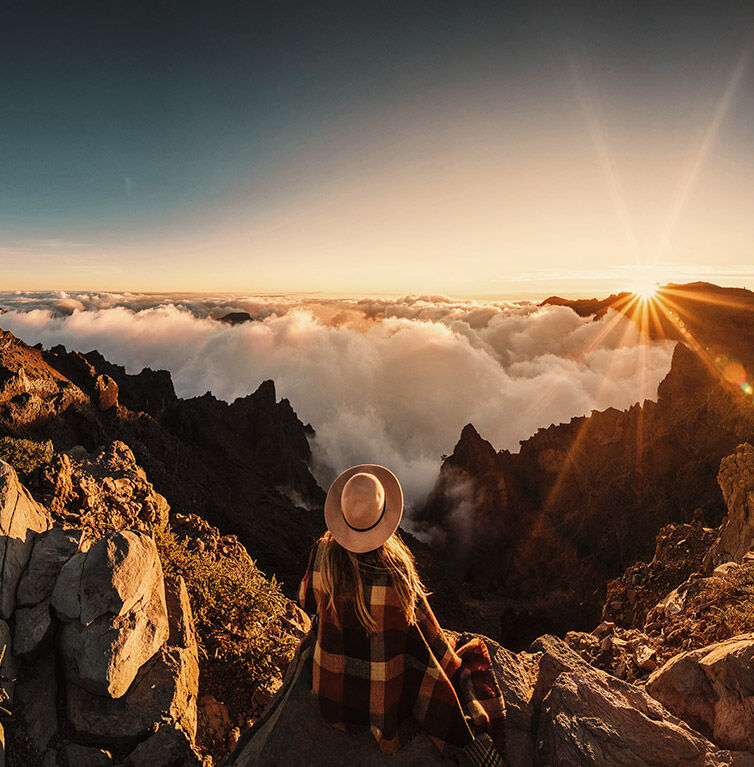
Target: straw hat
363 507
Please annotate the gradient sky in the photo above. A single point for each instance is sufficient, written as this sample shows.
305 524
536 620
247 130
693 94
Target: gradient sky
463 148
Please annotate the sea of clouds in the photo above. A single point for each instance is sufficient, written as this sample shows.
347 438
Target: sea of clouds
390 381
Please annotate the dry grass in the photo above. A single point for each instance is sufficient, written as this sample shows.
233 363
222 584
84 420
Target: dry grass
236 610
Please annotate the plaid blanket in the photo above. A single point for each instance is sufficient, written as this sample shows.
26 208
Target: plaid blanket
402 672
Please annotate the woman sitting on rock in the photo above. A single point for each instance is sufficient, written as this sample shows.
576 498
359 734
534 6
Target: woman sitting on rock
378 656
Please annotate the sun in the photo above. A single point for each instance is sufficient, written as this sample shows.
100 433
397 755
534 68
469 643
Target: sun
646 289
643 281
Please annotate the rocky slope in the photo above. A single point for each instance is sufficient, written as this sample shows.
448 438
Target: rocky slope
241 466
663 693
542 531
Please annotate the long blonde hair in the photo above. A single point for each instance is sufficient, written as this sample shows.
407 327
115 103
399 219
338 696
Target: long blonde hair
341 572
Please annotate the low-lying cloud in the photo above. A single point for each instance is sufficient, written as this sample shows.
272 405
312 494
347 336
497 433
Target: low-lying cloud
384 381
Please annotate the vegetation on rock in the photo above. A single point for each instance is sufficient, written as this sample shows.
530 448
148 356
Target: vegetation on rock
236 611
25 455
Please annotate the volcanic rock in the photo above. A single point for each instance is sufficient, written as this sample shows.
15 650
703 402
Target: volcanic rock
588 717
51 551
21 519
123 617
736 479
548 526
33 630
711 689
107 392
102 491
164 690
168 747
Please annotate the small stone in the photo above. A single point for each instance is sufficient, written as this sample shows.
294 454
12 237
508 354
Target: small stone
645 657
606 627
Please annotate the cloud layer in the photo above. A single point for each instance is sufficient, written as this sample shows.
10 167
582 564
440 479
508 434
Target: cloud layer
383 381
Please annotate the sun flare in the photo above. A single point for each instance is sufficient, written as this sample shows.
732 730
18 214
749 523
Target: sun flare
646 289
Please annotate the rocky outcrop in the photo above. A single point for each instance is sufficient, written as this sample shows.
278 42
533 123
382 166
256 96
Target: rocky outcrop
587 717
736 479
679 551
549 526
101 650
101 491
711 689
21 520
561 711
244 466
122 619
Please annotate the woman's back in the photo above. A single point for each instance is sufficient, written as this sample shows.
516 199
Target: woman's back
400 672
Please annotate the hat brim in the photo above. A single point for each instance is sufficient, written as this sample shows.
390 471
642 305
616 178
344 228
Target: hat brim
368 540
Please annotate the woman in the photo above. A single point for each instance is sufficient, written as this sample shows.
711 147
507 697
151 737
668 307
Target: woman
380 659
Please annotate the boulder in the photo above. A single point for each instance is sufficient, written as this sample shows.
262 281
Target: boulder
105 655
51 551
180 617
107 392
168 747
66 594
712 689
736 480
588 717
120 570
75 755
516 675
164 690
33 631
21 520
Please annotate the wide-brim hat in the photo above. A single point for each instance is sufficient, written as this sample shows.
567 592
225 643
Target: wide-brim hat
379 523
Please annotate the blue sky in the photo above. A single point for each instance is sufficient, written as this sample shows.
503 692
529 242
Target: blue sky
364 147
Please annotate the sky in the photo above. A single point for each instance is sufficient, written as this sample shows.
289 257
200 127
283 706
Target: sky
498 149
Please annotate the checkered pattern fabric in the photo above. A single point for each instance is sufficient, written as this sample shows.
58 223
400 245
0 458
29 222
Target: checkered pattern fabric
401 672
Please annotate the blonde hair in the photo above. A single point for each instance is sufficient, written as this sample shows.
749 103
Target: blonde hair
341 572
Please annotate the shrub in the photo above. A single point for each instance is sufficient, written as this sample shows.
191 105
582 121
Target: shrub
236 610
25 455
738 616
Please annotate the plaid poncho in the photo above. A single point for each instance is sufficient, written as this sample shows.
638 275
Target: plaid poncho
401 672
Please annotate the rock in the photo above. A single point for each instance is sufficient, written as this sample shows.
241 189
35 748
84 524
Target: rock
51 551
164 690
736 480
33 631
75 755
711 689
107 392
673 603
606 627
105 656
588 717
515 674
119 572
21 519
645 657
35 697
214 719
293 733
168 747
180 618
103 490
66 594
113 600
